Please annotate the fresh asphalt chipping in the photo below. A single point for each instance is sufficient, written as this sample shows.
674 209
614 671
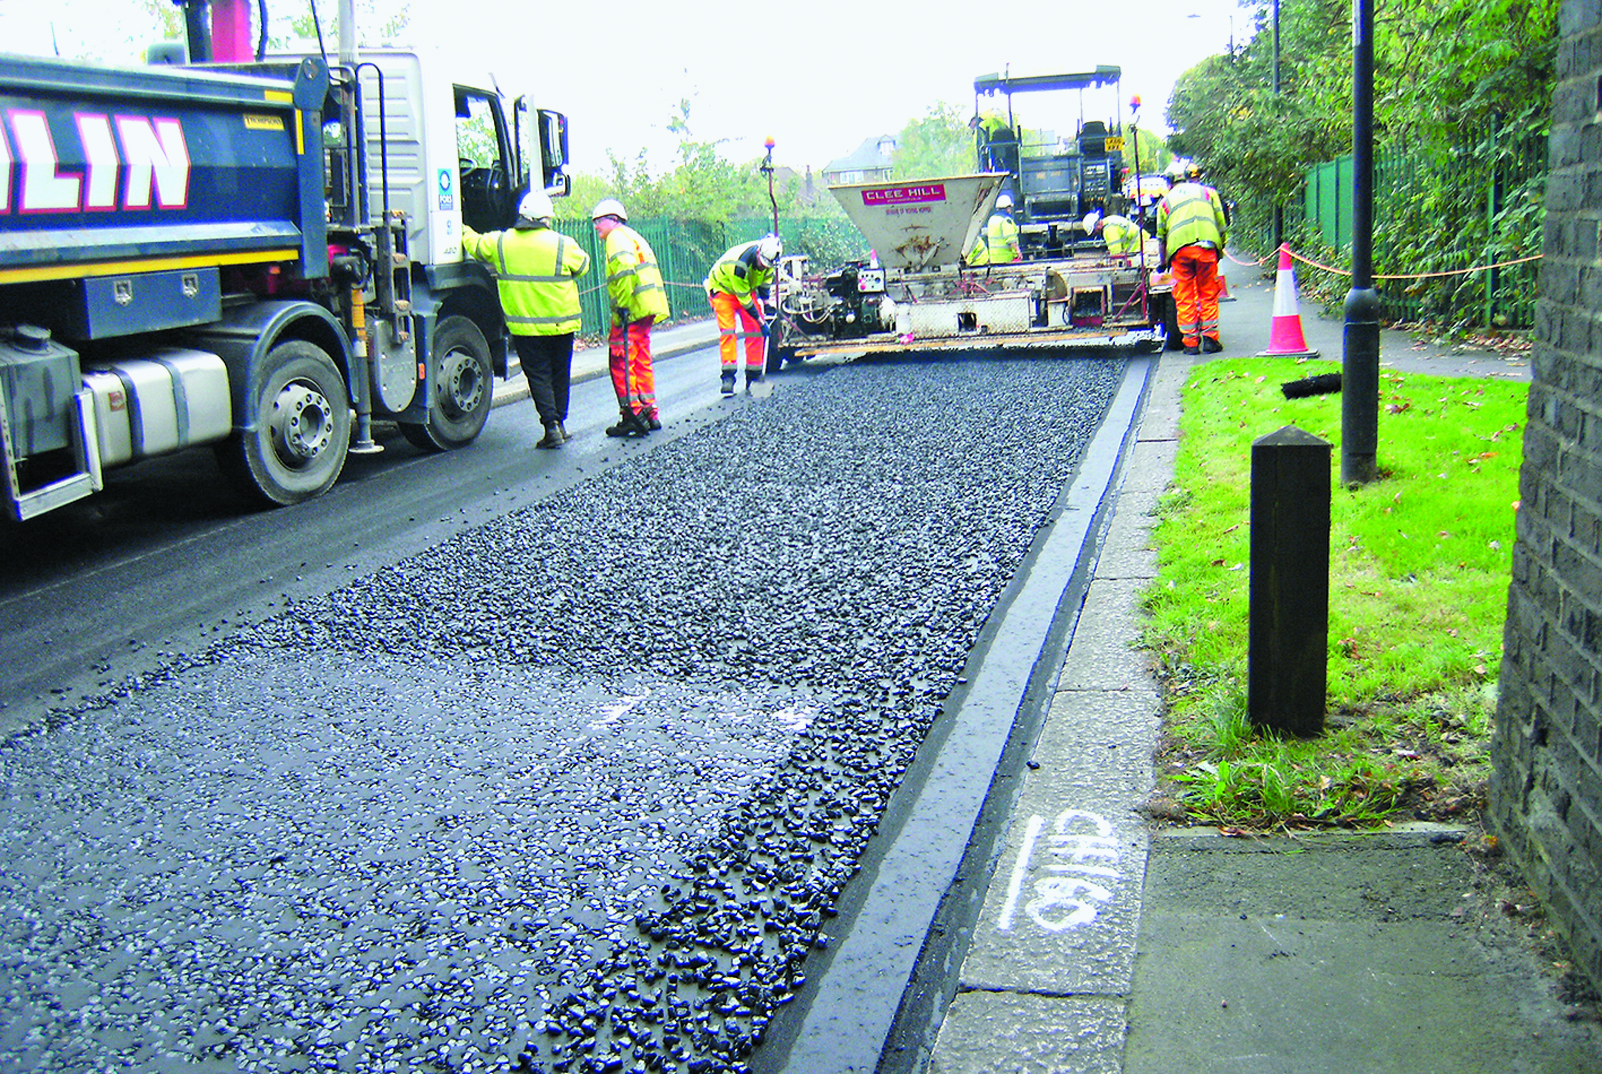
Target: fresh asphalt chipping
578 789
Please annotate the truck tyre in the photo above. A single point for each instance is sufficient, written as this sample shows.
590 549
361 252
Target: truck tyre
781 352
464 388
302 428
1169 317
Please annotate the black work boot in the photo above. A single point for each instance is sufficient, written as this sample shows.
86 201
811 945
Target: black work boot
552 437
653 421
752 377
630 424
1210 345
562 429
728 382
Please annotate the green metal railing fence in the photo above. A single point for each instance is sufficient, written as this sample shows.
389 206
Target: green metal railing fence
1467 281
686 250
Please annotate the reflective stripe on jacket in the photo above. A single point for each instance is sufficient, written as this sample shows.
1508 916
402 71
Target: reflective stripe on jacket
1122 236
998 242
633 280
737 273
1191 214
535 269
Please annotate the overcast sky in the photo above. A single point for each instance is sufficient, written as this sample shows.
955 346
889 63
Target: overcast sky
818 76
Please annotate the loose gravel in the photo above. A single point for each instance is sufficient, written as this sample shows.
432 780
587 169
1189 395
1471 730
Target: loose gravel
576 790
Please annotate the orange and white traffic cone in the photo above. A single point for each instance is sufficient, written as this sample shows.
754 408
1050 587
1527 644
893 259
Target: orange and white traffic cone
1223 289
1285 339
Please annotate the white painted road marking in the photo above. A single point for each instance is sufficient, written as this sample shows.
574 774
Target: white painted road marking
1068 899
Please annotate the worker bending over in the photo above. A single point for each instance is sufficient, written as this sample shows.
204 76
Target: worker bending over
1191 228
739 283
1120 233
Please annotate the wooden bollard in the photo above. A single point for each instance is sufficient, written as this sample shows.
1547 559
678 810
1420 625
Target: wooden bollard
1287 652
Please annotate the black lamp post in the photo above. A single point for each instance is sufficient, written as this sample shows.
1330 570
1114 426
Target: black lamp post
1360 361
1279 213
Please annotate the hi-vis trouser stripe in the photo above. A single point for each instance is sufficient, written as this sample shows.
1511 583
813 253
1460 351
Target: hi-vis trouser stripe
735 323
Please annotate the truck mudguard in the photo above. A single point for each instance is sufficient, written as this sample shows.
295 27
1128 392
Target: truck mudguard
245 335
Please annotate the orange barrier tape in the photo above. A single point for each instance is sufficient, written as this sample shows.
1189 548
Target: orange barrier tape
1247 264
1421 275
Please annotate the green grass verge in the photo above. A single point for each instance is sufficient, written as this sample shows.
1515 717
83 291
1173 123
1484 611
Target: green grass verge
1419 570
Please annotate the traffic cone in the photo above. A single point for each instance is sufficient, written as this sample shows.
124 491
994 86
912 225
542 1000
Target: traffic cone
1223 289
1285 339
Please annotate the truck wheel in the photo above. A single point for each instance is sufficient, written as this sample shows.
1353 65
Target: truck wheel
781 347
464 388
1165 315
1170 321
302 433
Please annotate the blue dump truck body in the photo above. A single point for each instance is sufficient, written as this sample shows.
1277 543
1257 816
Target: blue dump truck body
161 166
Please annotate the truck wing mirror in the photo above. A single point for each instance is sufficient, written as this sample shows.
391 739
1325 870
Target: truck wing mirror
553 148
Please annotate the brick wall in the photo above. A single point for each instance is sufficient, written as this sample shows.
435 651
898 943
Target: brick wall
1546 794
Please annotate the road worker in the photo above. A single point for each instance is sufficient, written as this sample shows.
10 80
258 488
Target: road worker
634 285
1191 229
738 285
995 143
998 240
1120 233
536 269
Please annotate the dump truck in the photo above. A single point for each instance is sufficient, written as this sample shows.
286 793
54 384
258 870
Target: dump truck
261 254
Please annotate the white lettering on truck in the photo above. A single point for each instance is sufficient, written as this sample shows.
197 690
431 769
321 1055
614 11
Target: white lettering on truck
153 164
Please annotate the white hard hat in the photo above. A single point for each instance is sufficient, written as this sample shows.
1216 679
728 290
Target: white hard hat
1004 201
610 207
1092 218
536 205
769 249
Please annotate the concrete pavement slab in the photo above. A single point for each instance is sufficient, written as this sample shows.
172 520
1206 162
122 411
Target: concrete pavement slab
1127 552
1102 656
1001 1033
1151 463
1335 954
1061 913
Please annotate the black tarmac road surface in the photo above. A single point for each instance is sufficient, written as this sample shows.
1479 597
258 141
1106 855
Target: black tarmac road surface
576 790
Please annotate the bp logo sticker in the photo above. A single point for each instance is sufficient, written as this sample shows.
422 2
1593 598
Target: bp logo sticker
447 189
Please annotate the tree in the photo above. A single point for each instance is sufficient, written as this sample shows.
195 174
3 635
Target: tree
376 21
1462 91
701 186
940 143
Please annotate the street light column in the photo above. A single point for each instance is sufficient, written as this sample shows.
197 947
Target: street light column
1360 358
1279 213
